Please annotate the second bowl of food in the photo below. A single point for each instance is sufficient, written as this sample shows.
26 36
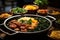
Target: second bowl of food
18 10
4 15
31 8
42 11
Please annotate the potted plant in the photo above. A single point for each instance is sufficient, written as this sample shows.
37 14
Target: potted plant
41 3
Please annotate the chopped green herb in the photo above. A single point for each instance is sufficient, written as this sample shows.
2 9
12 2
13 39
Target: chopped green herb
22 21
29 21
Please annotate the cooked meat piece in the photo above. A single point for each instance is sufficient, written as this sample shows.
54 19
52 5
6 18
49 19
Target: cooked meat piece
23 24
12 25
22 27
23 30
13 21
17 29
17 23
27 25
31 28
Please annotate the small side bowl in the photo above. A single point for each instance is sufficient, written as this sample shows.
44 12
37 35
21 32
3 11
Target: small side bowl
17 13
32 11
54 12
3 19
7 14
42 12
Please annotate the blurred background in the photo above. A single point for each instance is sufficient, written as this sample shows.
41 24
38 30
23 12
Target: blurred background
5 5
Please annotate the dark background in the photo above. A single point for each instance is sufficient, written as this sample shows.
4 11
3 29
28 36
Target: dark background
6 5
54 3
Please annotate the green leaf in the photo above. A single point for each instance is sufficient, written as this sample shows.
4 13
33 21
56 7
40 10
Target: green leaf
22 21
29 21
